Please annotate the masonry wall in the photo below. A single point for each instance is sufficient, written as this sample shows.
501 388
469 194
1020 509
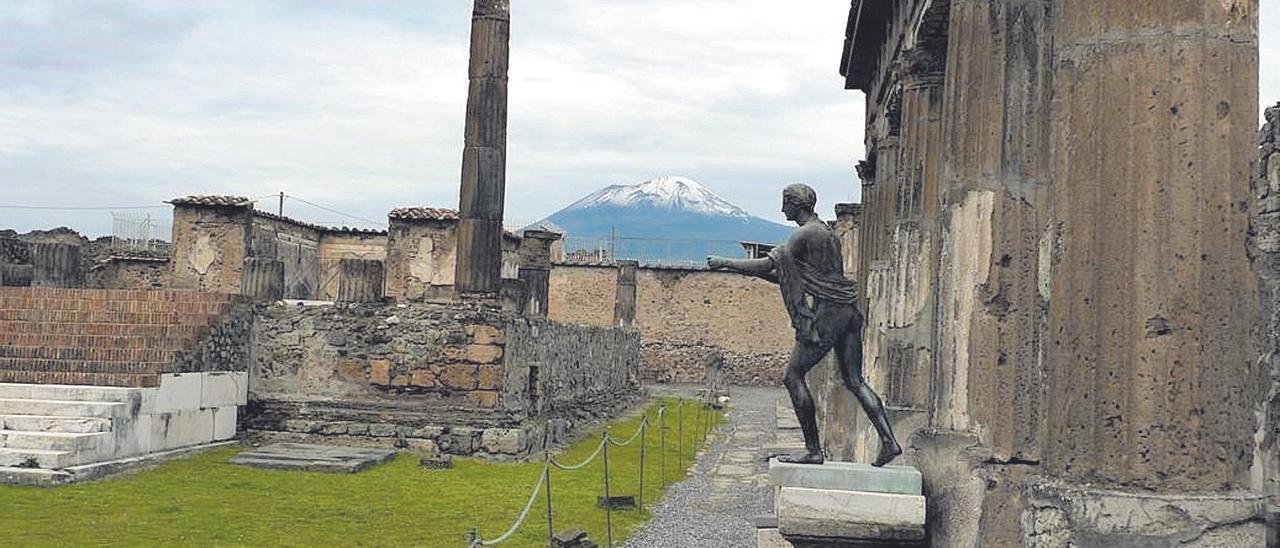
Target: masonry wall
1264 250
421 254
126 272
462 378
210 244
335 246
686 319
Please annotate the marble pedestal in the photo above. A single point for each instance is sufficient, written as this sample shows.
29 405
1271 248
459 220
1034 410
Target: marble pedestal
845 504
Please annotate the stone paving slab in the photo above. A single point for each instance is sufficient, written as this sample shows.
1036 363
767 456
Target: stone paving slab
313 458
846 476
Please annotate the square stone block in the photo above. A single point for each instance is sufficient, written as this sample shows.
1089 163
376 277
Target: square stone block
852 515
178 391
223 388
847 476
224 422
181 429
771 538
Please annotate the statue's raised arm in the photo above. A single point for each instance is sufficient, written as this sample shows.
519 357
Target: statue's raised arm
760 268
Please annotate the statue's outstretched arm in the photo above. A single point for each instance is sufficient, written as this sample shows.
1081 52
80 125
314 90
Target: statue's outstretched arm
760 268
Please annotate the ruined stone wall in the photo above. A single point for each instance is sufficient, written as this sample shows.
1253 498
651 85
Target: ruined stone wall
296 246
210 244
126 272
686 318
571 371
421 254
1264 249
582 294
461 377
335 246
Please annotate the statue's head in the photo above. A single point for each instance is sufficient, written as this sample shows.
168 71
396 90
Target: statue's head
798 198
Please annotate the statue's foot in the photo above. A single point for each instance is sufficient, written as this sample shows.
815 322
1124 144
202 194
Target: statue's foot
888 452
802 458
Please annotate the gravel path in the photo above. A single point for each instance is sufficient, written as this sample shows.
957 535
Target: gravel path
728 486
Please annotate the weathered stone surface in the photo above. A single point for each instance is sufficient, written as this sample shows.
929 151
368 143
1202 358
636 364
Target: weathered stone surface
380 371
849 514
685 316
508 442
846 476
313 458
486 334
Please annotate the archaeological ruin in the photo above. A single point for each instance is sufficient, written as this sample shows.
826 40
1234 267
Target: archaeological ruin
1067 252
1052 249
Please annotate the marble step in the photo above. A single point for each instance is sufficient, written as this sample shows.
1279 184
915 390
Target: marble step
43 458
67 392
847 476
61 408
39 423
78 442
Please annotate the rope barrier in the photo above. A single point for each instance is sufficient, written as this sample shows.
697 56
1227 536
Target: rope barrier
584 463
520 520
544 478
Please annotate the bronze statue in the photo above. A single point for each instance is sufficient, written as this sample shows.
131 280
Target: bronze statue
822 304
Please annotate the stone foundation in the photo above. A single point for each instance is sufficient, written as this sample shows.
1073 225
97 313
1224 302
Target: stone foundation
461 378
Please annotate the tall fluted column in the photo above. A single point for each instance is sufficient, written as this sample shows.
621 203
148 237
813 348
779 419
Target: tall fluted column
484 157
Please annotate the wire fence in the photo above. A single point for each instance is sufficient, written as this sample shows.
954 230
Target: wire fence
140 233
649 251
704 421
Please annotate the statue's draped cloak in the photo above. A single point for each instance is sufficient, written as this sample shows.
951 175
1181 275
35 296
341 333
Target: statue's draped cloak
810 271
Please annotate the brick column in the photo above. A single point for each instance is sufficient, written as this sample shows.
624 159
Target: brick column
484 163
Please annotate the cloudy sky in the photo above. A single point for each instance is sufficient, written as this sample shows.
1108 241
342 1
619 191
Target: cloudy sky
359 105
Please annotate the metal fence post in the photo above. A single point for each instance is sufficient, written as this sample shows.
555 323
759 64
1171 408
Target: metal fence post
644 424
608 504
551 530
662 433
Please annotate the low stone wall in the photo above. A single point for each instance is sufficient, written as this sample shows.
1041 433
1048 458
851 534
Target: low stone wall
685 317
679 362
461 378
129 272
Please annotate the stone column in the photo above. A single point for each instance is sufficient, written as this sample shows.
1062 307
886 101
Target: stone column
479 267
1153 381
360 280
535 269
263 279
56 265
848 223
624 308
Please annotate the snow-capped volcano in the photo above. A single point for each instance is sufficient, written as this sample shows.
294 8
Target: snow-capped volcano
665 217
667 192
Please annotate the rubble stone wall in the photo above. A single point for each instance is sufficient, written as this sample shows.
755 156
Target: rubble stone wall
686 318
459 377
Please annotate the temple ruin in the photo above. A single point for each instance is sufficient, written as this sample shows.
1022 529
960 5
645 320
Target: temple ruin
1056 197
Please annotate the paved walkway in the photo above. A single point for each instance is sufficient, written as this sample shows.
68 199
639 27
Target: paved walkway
729 485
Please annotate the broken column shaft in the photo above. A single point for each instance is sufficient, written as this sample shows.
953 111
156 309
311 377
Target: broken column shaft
484 164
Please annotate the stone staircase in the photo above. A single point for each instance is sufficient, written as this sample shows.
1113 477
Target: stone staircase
95 376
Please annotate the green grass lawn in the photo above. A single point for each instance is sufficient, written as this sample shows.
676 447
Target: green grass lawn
203 500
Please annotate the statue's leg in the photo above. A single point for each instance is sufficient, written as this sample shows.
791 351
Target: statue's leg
849 354
804 356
